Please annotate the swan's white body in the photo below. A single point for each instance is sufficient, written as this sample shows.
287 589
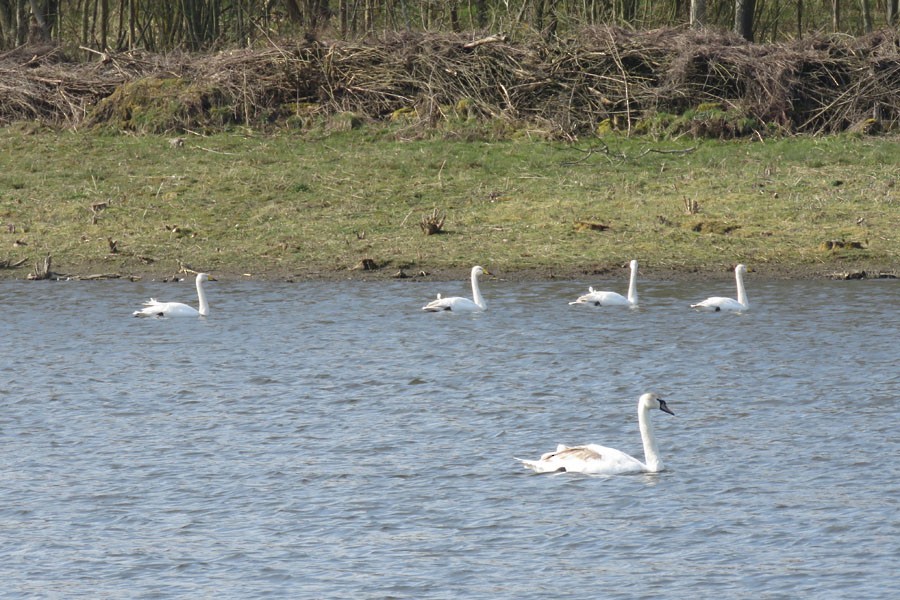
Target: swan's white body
612 298
155 308
593 459
718 303
459 304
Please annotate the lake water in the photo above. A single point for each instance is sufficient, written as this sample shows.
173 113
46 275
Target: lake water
331 440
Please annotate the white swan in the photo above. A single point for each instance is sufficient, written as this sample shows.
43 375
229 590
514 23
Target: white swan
600 460
459 304
612 298
717 303
155 308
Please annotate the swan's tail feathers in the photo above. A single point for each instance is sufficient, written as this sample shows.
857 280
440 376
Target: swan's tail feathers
539 466
152 309
534 465
435 305
585 299
439 304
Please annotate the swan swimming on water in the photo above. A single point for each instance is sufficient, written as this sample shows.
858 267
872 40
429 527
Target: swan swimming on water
155 308
459 304
718 303
592 459
612 298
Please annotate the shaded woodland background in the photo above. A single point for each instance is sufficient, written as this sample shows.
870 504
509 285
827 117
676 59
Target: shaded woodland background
165 25
553 68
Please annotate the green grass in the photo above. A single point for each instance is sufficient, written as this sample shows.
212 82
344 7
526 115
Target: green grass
295 205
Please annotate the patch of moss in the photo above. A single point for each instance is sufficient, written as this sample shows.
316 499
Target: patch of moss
157 105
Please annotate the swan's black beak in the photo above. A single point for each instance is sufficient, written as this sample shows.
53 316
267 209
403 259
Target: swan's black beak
664 407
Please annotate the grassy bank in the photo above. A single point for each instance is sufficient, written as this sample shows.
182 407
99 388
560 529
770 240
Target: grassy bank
292 206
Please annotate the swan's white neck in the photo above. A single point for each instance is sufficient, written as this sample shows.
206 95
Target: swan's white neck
741 293
651 452
201 296
632 285
476 291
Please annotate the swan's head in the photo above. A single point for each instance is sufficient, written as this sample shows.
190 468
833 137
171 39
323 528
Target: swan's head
204 277
651 401
740 269
633 265
478 270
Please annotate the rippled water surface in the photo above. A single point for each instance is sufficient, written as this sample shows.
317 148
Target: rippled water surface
331 440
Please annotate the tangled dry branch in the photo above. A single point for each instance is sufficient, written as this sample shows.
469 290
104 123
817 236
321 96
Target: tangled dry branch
818 84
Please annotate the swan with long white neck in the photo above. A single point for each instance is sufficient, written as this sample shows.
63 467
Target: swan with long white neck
155 308
718 303
458 303
593 459
596 298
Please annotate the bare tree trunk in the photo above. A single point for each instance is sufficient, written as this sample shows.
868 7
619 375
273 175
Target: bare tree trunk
627 10
698 13
867 16
293 11
21 22
104 24
454 17
6 25
369 16
480 13
892 9
743 18
538 14
836 15
40 32
132 21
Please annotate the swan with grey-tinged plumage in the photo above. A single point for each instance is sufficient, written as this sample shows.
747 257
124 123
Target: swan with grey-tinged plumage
155 308
612 298
458 303
593 459
718 303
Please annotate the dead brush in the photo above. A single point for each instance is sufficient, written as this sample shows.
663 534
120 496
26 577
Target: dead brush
691 206
434 223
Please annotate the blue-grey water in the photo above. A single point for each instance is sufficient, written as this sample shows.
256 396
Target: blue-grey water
331 440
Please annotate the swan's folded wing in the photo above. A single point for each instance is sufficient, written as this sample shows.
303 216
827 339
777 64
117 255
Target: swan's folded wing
456 303
602 299
438 305
166 309
614 461
564 458
719 303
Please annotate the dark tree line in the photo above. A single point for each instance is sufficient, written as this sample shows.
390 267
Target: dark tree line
161 25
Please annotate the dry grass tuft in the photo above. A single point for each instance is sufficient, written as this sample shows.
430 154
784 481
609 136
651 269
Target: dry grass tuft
433 223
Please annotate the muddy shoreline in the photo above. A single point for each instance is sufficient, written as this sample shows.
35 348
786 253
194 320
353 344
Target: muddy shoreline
95 272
